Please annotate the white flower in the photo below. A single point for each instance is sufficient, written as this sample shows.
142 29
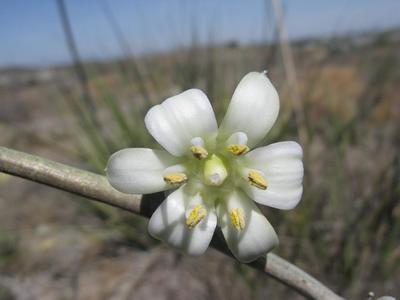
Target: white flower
214 174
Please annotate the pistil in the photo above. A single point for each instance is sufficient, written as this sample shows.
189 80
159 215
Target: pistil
215 171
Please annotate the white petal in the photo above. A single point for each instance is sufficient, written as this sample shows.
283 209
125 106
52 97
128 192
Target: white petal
258 236
237 138
179 168
197 141
139 170
253 109
168 223
179 119
282 165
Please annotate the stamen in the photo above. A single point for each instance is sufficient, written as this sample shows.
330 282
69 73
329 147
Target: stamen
197 214
255 178
238 149
237 218
199 152
175 178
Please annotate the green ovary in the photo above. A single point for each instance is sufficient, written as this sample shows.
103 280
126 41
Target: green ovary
214 172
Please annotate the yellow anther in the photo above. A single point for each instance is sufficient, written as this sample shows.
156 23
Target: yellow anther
238 149
175 178
237 218
255 178
199 152
197 214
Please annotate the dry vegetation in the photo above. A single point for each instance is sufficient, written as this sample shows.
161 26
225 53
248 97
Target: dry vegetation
346 230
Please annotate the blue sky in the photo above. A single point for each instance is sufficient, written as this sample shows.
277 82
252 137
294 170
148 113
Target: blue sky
30 31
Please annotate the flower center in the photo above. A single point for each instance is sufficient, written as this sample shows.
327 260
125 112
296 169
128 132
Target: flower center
214 172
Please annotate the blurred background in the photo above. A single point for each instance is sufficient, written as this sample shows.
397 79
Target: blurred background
77 77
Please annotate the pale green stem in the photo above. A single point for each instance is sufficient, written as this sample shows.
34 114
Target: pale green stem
96 187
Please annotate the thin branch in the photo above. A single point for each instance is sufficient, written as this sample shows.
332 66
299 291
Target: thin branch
290 71
96 187
125 46
73 50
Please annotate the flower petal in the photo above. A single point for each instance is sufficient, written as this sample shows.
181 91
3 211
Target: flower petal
237 138
257 237
168 223
179 119
139 170
282 165
253 109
